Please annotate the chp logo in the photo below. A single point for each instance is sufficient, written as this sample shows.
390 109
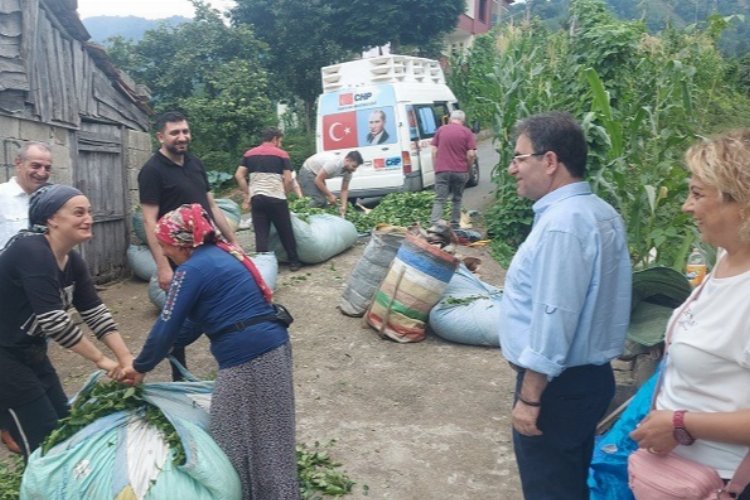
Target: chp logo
392 163
347 99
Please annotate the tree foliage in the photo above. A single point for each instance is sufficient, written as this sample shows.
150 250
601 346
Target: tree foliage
212 72
305 35
301 40
641 99
415 23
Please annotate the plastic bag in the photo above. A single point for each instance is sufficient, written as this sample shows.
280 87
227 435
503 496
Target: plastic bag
122 456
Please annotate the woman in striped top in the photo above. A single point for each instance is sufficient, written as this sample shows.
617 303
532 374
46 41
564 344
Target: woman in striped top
41 277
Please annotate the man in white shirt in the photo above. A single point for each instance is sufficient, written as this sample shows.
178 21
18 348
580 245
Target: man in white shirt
321 166
33 167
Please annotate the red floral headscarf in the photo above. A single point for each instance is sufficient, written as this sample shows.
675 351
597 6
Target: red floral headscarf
188 226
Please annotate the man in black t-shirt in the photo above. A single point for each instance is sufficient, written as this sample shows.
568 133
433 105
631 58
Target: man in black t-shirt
170 178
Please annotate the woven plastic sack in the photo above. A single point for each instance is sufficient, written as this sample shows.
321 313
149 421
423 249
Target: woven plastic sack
121 456
320 238
415 282
141 262
468 312
370 270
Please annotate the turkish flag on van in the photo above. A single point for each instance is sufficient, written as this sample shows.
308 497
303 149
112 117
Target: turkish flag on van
340 131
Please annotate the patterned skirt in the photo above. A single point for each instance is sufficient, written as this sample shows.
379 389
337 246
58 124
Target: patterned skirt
252 420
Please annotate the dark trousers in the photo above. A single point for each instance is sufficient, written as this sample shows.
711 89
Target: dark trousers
449 184
554 466
30 423
266 210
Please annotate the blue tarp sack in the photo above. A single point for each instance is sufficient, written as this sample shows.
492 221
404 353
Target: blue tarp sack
608 474
323 236
141 262
231 211
468 312
122 456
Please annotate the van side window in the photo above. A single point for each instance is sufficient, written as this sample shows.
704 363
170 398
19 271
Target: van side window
412 120
429 118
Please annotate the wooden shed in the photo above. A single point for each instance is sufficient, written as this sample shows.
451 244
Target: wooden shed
57 88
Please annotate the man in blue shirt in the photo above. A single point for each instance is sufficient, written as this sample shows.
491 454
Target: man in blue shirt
565 309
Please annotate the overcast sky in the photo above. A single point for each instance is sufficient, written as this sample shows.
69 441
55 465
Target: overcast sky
150 9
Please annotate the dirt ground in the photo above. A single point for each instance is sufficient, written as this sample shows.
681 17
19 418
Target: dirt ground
415 421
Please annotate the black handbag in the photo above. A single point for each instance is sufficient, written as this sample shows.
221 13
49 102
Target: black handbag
283 315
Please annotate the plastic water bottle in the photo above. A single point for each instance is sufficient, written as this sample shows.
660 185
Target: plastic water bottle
695 271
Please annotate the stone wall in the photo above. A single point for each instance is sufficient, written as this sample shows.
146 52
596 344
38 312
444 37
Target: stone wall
138 150
15 132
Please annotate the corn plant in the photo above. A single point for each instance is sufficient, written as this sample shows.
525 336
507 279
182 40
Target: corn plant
641 100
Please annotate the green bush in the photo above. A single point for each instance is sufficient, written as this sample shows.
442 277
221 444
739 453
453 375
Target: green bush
300 145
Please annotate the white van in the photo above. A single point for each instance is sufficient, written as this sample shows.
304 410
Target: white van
388 108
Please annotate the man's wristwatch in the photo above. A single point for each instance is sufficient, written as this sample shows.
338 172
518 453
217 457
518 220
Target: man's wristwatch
680 433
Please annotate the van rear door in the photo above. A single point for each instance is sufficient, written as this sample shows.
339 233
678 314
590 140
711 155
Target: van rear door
428 117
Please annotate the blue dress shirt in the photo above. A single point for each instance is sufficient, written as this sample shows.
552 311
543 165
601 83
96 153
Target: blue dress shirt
566 300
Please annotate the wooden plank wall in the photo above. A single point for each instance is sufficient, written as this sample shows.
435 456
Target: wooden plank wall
99 175
48 75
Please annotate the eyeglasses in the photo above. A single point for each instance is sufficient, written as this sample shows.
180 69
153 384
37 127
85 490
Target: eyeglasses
519 158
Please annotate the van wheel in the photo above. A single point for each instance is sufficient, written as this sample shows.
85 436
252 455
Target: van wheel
473 175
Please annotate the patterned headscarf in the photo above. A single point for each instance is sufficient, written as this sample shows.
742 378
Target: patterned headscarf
188 226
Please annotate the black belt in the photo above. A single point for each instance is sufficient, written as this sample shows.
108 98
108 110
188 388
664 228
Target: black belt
241 325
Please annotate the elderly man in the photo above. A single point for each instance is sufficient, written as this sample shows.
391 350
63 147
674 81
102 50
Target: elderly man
454 149
565 309
33 165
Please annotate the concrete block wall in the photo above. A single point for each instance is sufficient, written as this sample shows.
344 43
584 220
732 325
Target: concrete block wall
14 132
138 149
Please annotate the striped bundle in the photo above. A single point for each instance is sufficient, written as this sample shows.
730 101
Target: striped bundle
414 284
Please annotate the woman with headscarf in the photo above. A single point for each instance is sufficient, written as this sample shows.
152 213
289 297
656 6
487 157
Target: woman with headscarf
252 408
702 408
41 277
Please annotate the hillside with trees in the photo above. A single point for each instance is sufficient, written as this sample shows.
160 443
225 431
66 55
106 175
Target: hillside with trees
658 15
129 28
